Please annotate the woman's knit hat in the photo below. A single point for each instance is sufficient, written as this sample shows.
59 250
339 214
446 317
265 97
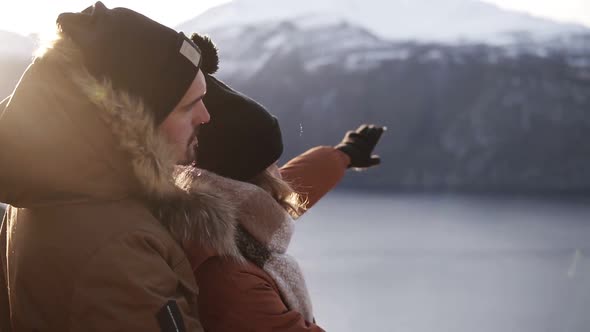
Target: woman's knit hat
242 138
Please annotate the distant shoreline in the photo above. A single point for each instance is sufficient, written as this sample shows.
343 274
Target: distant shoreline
559 195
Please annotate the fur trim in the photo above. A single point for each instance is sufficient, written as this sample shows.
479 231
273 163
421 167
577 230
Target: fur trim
202 214
286 272
246 208
210 62
133 126
212 211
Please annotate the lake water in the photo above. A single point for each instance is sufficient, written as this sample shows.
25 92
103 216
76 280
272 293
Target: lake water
424 263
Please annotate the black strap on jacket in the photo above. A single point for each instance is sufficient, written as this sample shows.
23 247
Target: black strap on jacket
4 304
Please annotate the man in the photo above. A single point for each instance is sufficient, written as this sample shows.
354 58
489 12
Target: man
90 135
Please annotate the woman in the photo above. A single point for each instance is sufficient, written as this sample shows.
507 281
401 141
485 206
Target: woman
247 282
250 284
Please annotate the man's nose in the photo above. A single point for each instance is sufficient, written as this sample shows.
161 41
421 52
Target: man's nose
202 115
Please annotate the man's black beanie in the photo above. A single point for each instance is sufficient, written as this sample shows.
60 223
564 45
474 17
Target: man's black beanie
242 139
138 55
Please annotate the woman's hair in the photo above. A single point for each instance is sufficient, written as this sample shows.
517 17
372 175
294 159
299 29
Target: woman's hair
281 191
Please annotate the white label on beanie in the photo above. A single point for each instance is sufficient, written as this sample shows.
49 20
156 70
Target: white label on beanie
191 53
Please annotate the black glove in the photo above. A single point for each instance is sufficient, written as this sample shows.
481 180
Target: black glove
359 145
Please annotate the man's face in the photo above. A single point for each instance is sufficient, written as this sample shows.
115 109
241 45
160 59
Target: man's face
181 126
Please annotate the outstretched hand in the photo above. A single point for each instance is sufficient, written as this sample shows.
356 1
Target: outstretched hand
359 146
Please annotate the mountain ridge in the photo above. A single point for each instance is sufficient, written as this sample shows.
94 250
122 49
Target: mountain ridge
469 117
444 20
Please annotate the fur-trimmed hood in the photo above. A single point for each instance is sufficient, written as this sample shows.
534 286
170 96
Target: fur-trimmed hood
69 138
247 208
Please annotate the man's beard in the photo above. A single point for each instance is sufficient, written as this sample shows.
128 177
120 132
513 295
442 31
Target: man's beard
190 154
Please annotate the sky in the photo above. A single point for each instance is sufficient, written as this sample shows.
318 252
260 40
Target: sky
38 16
577 11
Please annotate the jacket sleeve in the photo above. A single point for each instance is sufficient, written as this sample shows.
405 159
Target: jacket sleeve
128 284
236 297
315 172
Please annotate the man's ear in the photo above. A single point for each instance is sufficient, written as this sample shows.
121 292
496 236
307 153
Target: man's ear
210 62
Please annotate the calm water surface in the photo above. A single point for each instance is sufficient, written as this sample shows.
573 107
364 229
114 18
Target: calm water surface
424 263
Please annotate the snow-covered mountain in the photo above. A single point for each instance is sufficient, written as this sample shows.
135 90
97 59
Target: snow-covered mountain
246 51
424 20
466 116
15 45
460 117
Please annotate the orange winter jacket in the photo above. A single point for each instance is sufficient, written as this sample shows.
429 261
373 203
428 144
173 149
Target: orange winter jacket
242 297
